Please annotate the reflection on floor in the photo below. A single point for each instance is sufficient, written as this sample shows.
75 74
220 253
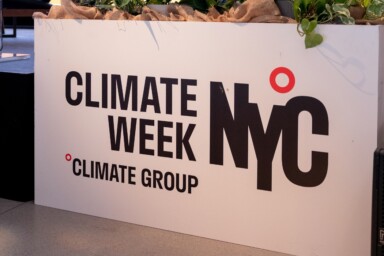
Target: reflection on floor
33 230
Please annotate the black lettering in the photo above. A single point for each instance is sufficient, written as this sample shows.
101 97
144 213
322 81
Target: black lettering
131 175
162 138
144 136
169 181
122 172
68 88
150 85
146 177
183 140
235 128
121 129
76 166
320 125
192 183
114 174
117 92
88 92
101 171
283 120
104 90
181 185
185 97
169 82
157 177
85 168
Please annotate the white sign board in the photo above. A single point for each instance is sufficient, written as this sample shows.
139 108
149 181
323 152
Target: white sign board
228 131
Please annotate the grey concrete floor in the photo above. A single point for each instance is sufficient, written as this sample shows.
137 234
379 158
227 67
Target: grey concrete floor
27 229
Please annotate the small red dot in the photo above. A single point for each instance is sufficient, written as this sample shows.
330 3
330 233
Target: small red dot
68 157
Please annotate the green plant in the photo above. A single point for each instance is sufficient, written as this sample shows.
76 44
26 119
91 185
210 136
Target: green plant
204 5
374 9
102 5
307 13
130 6
135 6
311 38
310 13
158 1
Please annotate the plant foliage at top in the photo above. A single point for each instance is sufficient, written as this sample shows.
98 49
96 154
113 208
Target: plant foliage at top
309 13
130 6
135 6
375 10
204 6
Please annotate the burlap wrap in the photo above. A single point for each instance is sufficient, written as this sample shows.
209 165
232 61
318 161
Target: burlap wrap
265 11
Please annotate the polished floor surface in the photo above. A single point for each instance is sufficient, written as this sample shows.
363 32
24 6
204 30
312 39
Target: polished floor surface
27 229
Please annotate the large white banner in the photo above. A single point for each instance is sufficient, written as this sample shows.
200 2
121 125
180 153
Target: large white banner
234 132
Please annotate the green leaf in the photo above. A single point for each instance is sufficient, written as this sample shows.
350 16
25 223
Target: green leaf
158 2
347 20
122 3
320 6
366 3
308 26
306 3
326 15
296 10
341 9
374 11
312 40
312 25
300 9
212 2
305 25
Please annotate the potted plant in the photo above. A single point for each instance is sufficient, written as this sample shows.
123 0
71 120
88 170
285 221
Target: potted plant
310 13
306 13
202 5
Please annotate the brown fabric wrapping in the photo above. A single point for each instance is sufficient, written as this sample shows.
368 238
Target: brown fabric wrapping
379 21
271 19
254 8
69 10
265 11
116 14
